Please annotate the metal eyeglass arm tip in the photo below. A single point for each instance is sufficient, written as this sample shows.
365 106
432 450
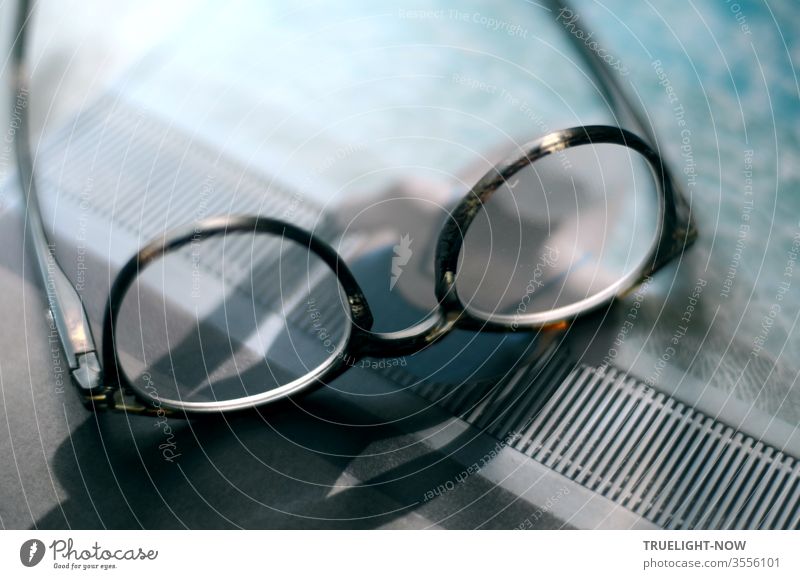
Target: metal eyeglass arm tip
67 314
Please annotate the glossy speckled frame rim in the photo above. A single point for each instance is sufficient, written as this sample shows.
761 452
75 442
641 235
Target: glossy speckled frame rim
359 312
673 227
451 313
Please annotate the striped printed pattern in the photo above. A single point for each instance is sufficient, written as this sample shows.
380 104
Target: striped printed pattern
674 466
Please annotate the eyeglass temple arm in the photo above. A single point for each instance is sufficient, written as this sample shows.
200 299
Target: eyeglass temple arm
67 313
629 114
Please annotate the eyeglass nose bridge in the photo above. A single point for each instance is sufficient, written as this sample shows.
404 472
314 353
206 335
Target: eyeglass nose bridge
411 340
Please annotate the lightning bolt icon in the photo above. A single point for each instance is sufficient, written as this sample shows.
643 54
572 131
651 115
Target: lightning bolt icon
402 255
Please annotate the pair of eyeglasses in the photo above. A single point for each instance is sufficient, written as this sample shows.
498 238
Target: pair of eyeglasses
111 377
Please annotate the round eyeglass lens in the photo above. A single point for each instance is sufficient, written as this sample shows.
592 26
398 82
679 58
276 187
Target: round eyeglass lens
231 321
563 230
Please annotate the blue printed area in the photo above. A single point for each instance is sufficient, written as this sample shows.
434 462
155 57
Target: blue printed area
432 87
730 66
